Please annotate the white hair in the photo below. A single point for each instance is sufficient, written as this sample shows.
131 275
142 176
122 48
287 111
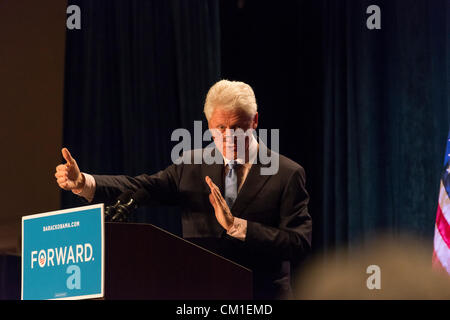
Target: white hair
230 95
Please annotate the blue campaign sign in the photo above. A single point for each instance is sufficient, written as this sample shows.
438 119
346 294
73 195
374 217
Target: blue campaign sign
63 254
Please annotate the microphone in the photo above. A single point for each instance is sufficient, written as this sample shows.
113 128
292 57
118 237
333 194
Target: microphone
139 198
110 211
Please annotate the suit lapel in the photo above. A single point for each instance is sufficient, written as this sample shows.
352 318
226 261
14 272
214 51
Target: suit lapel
251 187
215 172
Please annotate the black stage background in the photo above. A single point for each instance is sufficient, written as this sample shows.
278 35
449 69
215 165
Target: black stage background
366 112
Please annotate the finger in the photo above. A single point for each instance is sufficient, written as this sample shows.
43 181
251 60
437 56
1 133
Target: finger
60 174
67 156
64 186
219 201
212 200
61 180
208 181
222 200
61 168
61 183
211 184
214 189
216 193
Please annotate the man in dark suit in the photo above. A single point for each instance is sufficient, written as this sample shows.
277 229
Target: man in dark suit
258 220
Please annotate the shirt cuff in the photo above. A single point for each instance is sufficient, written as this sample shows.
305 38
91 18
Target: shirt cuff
239 229
88 190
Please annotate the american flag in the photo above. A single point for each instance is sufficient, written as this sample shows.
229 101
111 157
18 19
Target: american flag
441 252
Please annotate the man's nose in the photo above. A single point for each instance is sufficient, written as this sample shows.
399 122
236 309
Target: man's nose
228 135
229 132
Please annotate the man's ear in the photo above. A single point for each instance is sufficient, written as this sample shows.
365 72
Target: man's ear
255 121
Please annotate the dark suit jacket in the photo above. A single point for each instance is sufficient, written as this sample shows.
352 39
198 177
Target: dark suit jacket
279 226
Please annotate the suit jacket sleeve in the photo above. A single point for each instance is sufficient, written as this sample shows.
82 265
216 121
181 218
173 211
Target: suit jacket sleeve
162 186
291 239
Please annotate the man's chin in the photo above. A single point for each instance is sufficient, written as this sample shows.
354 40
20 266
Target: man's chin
229 153
231 156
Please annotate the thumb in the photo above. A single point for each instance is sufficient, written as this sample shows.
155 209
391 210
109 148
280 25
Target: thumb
67 156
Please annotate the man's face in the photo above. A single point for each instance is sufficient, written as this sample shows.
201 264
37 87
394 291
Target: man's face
225 124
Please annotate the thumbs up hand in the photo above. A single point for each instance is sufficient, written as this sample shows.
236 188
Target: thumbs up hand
68 175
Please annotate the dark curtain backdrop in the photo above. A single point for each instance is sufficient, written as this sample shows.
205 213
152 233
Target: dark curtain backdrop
386 118
136 71
365 112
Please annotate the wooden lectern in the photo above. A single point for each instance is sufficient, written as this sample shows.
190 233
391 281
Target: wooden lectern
145 262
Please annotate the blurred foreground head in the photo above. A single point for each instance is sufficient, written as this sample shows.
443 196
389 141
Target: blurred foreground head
405 272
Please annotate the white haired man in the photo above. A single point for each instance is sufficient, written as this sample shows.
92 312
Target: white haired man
260 221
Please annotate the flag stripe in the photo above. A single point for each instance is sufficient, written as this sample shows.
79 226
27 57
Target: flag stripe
444 202
443 226
446 181
442 250
436 263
